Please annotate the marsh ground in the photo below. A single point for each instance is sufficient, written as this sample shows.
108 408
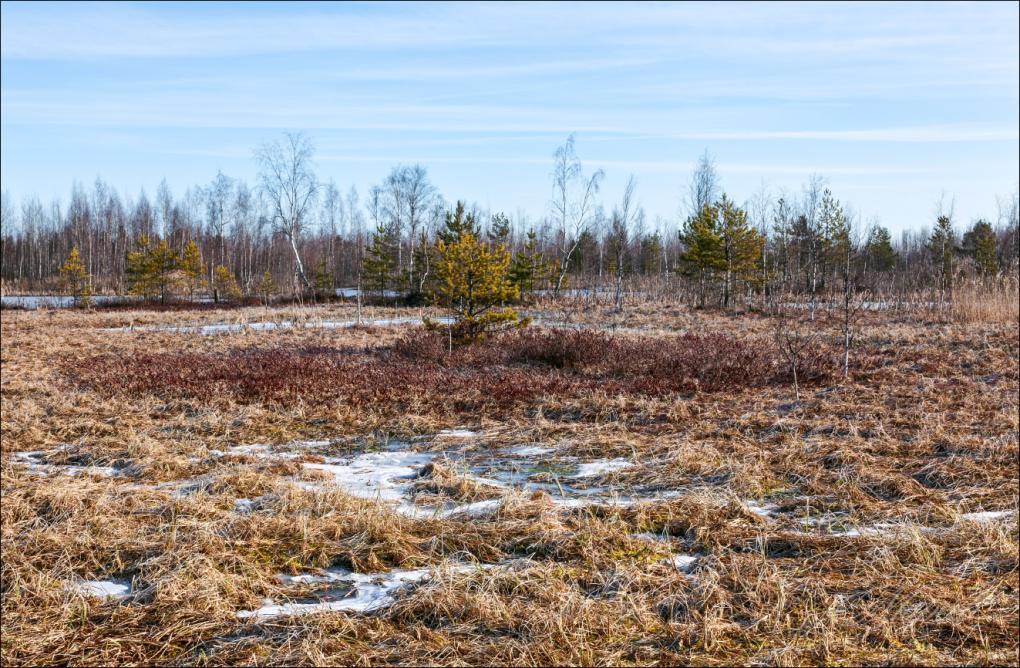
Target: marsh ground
646 493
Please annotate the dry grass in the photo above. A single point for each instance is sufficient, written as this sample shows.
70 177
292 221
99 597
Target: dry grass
923 432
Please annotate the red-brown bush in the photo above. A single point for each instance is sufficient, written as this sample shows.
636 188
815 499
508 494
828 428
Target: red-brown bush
513 368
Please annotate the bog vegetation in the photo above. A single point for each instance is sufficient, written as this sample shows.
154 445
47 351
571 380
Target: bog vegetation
401 243
767 435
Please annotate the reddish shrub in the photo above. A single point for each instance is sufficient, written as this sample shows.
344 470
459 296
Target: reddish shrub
513 368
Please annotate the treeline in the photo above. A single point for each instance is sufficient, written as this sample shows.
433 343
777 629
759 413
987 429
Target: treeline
291 234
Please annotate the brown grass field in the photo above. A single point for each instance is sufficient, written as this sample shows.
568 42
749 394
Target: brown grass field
604 489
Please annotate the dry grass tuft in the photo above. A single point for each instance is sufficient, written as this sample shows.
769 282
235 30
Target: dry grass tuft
749 528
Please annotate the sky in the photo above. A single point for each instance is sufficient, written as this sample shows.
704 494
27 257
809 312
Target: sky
894 104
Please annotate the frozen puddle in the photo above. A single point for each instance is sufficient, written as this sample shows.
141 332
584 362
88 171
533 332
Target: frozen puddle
531 451
353 592
600 467
104 589
33 461
456 434
261 451
271 325
682 562
385 476
986 515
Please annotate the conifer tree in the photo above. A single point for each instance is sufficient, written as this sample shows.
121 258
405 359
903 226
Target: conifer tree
164 264
380 260
703 241
941 246
192 268
75 279
834 234
139 268
527 266
458 222
266 287
224 283
499 229
472 280
740 246
979 245
152 270
880 253
322 279
651 253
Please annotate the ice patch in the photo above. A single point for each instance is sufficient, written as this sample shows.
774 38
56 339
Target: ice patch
33 461
986 515
310 444
376 475
261 451
272 325
369 592
766 510
108 589
682 562
476 509
457 433
248 505
601 466
33 302
531 451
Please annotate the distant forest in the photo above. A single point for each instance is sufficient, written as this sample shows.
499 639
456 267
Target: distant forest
299 235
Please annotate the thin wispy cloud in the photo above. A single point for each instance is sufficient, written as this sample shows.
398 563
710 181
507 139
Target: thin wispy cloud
870 95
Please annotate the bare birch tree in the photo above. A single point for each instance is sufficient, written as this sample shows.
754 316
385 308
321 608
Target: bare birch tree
572 210
287 179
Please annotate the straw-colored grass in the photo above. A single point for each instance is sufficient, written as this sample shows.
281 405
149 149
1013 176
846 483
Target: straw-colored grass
923 433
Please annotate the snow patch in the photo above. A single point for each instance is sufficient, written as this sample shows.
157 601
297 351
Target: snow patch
761 510
682 562
368 592
375 475
600 467
986 515
261 451
107 589
272 325
531 451
456 433
33 461
476 509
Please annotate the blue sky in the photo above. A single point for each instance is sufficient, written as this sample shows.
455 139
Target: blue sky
892 103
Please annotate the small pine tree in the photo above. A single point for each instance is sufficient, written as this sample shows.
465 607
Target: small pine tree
380 261
322 279
139 268
835 233
266 287
458 221
651 253
979 245
224 283
192 268
164 264
703 241
527 266
941 245
75 279
152 270
499 229
741 247
472 280
879 250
